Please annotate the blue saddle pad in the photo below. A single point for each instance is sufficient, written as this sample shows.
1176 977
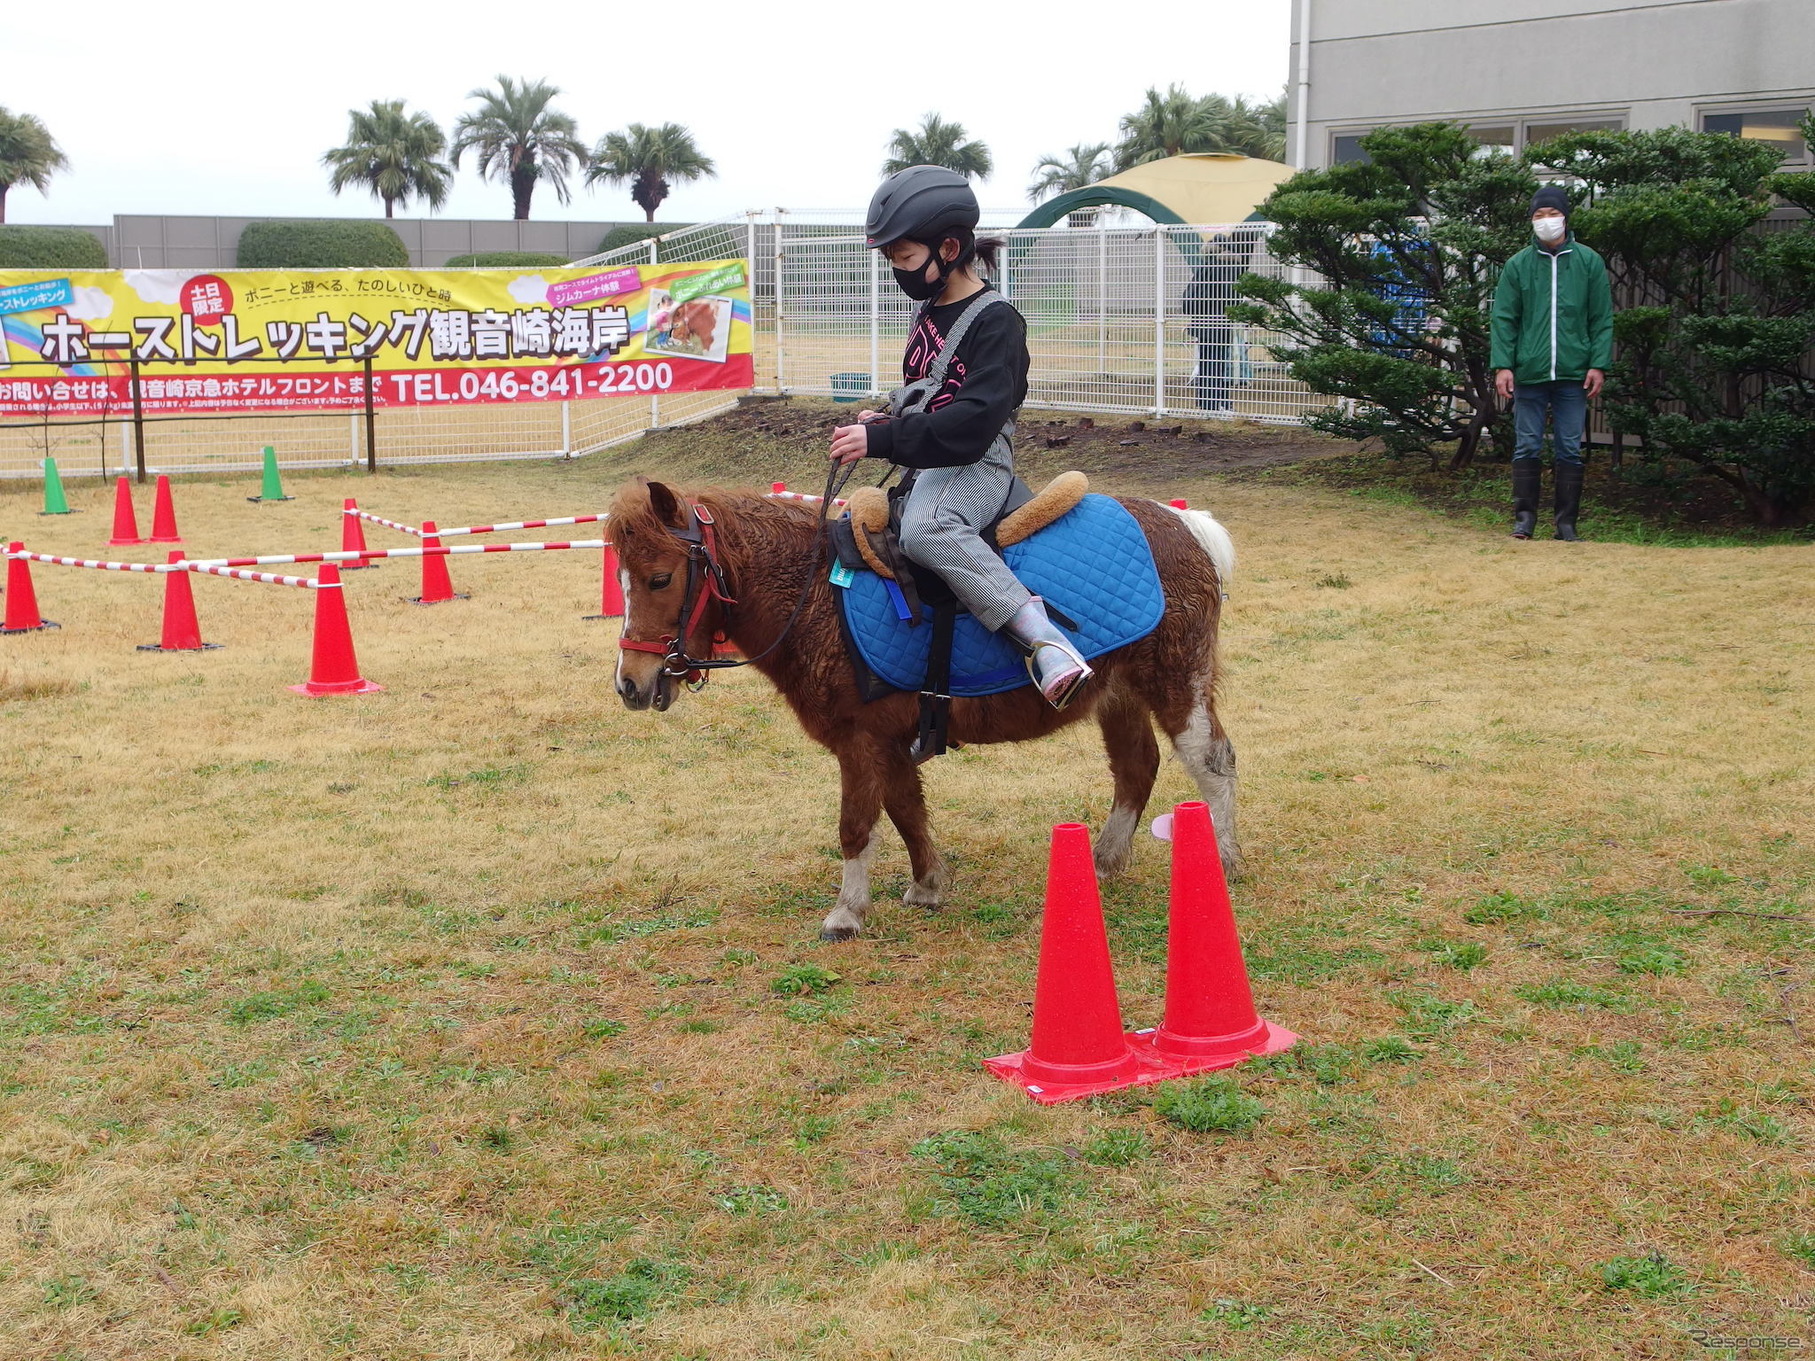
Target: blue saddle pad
1092 563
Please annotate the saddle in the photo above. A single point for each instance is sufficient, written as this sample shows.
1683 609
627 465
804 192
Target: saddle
868 534
1080 553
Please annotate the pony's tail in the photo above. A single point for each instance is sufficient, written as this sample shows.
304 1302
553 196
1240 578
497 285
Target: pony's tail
1213 539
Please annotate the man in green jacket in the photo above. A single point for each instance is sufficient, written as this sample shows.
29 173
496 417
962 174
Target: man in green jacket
1552 343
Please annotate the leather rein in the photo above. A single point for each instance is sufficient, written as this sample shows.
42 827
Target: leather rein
706 584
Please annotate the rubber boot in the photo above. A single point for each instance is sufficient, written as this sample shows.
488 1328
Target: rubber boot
1527 480
1052 662
1569 499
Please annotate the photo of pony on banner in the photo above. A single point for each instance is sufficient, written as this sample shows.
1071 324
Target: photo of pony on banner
306 340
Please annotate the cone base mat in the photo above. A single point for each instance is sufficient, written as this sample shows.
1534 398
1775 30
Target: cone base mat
1136 1070
71 511
33 628
255 500
126 543
155 539
199 647
360 687
1272 1040
601 616
438 600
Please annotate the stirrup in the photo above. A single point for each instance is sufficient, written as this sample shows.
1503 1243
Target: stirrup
1069 688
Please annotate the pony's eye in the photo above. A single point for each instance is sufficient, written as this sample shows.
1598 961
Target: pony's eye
658 583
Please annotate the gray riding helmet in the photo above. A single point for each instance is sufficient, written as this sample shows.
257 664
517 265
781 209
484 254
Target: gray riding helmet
920 202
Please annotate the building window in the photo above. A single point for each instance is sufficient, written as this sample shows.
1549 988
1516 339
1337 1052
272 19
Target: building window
1511 136
1543 130
1777 127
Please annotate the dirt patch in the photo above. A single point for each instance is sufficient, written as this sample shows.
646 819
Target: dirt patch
1045 443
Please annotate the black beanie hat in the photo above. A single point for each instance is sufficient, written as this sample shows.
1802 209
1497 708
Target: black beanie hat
1551 196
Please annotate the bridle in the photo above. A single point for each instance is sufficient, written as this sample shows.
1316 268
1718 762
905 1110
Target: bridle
706 584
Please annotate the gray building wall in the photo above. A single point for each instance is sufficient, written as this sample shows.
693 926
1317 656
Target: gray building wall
1653 63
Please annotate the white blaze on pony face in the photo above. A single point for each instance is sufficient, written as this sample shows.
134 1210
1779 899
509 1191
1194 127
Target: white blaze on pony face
624 590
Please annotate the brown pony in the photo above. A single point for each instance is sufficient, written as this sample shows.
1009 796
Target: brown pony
766 548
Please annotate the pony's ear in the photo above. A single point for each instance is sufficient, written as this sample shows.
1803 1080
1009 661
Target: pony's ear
666 505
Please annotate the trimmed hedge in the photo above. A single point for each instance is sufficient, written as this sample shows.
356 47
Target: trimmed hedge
321 245
504 259
629 233
50 248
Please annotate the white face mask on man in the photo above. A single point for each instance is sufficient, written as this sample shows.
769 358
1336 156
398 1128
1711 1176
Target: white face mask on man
1550 229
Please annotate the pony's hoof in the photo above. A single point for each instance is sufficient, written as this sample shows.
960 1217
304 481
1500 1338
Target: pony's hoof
1109 867
838 933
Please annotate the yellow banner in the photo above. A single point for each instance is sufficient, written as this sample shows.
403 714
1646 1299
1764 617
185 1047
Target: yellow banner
75 342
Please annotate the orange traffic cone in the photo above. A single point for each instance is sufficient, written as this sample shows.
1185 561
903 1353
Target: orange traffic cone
437 586
163 515
1210 1017
182 631
125 519
611 595
353 538
333 669
21 600
1078 1048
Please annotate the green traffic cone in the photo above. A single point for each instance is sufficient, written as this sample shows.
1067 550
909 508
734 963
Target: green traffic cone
55 503
274 485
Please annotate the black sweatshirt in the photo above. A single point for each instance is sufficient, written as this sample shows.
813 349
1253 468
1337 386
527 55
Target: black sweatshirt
984 385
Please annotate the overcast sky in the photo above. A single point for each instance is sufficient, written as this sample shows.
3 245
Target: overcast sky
196 107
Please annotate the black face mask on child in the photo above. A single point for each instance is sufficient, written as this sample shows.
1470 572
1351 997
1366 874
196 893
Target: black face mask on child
913 282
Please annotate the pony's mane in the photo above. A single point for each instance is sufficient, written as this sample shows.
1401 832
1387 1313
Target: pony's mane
633 516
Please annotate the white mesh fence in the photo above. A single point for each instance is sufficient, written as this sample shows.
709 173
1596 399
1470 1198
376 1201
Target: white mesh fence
1120 319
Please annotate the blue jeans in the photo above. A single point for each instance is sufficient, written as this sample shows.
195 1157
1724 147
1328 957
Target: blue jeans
1566 403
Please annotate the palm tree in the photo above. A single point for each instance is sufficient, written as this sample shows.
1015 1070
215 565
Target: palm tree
392 155
937 142
520 139
1257 130
1165 125
1177 122
651 159
1077 169
28 155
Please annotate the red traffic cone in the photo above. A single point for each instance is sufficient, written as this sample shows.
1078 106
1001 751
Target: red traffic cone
1210 1017
163 515
1179 503
775 488
437 586
353 537
611 595
333 669
182 632
1078 1048
125 519
21 600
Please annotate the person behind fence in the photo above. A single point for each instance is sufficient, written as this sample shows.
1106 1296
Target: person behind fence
1552 343
952 423
1206 301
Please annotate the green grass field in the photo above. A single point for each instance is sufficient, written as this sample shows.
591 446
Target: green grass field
483 1019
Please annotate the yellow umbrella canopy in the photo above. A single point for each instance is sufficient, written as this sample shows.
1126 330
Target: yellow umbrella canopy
1198 187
